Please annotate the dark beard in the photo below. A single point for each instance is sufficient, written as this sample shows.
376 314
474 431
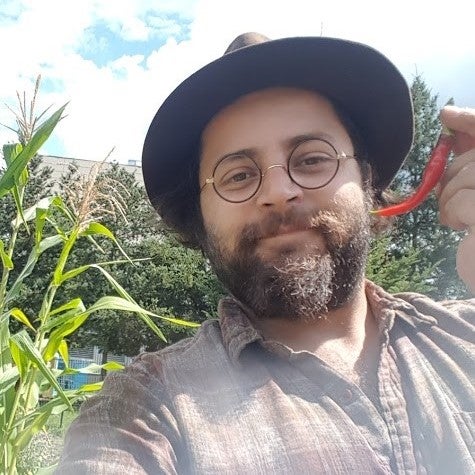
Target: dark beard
297 287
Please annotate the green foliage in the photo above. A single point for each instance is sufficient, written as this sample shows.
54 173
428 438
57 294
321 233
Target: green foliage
397 272
52 226
417 235
165 277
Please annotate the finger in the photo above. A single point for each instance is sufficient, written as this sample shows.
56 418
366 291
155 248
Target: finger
462 122
458 210
459 119
463 164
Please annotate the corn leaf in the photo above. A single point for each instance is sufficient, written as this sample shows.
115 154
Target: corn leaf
89 388
112 366
56 405
71 305
79 270
63 257
11 151
31 402
30 265
123 293
94 368
42 212
17 197
20 162
30 212
19 358
21 317
63 351
100 229
24 437
60 205
117 303
71 312
5 356
56 337
73 273
143 315
39 212
8 378
6 261
23 342
48 242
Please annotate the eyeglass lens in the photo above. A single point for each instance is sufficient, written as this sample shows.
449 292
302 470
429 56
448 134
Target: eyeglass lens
312 164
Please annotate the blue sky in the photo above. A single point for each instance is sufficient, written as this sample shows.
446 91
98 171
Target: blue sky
103 44
116 61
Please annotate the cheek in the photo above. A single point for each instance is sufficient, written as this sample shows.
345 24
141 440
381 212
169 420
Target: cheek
222 219
348 187
348 195
351 194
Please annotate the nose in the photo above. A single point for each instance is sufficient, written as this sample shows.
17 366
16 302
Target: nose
277 189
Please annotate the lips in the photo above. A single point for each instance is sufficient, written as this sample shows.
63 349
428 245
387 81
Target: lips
284 230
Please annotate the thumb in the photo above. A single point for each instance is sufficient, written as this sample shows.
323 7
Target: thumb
462 122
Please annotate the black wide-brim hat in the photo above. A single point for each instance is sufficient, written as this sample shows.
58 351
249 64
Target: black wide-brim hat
360 79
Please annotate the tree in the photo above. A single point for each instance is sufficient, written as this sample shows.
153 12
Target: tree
175 282
397 272
419 231
166 278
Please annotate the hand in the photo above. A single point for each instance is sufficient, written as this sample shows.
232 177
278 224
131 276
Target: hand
457 190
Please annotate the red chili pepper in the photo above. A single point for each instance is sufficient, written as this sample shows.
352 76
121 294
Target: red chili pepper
431 176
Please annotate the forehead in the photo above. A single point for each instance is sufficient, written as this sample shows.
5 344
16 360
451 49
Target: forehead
267 117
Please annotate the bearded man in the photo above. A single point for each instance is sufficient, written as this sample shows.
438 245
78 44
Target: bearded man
270 159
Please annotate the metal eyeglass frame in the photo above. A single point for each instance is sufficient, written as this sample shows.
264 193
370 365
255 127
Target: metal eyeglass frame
338 156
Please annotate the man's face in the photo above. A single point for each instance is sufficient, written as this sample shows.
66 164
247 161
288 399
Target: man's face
288 252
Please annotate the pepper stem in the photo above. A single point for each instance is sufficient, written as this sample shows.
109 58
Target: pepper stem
445 130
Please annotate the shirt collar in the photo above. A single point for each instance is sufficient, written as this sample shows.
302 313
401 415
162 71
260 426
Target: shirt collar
238 331
236 327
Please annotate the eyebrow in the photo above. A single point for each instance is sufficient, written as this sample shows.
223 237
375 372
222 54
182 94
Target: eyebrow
290 144
298 139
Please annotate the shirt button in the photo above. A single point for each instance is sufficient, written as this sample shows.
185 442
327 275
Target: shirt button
347 395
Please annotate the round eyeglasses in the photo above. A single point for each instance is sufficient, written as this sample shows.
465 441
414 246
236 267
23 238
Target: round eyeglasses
312 164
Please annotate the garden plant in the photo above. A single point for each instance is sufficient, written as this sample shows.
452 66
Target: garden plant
27 354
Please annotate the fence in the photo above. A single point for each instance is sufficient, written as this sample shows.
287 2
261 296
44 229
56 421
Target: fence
75 381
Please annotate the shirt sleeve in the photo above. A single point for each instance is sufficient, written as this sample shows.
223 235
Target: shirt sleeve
128 427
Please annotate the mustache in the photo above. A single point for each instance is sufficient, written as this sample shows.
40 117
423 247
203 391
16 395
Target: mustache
323 221
335 226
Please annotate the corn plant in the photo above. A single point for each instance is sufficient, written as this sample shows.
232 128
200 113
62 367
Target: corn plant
27 356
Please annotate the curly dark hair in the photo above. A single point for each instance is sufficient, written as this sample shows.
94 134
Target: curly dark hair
181 212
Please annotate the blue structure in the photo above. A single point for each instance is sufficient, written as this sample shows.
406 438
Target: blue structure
75 381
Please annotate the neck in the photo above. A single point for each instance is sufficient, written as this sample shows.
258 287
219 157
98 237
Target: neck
345 337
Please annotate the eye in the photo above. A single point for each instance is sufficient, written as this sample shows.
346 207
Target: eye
238 176
311 161
236 171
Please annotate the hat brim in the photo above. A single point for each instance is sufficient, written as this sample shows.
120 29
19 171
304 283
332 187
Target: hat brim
362 80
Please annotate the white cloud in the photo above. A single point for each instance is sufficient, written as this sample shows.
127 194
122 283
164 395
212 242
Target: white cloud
113 105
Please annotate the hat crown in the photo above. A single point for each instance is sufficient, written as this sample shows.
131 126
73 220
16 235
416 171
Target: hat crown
246 39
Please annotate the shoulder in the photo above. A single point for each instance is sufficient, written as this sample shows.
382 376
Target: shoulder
184 356
411 310
449 324
441 311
